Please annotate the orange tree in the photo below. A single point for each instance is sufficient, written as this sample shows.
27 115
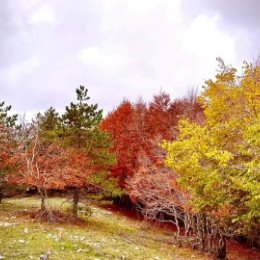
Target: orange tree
8 144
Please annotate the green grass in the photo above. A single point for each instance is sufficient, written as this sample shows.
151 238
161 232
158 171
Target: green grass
104 236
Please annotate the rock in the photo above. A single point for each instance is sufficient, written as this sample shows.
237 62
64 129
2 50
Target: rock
30 257
21 241
49 252
107 213
43 257
79 250
2 257
5 224
157 258
82 238
26 230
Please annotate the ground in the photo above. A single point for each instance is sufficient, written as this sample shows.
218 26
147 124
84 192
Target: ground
103 236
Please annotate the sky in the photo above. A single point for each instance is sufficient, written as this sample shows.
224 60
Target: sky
118 48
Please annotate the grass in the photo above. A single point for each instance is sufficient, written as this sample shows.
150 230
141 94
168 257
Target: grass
105 235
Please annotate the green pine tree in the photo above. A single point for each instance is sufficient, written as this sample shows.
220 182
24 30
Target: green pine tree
80 130
49 124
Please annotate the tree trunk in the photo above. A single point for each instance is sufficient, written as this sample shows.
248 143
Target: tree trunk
222 249
1 197
43 199
75 201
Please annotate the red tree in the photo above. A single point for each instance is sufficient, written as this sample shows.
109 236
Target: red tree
138 129
120 123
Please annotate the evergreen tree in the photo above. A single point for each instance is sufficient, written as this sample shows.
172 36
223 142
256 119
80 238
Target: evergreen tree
49 124
80 120
80 131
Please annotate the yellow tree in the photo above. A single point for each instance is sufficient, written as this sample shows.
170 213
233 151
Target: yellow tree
219 160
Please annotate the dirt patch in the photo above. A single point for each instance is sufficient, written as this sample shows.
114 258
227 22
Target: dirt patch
239 251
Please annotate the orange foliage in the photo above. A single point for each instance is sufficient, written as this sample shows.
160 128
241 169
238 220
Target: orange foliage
120 123
49 166
7 146
138 128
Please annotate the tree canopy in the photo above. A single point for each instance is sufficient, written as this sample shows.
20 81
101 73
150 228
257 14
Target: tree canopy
219 161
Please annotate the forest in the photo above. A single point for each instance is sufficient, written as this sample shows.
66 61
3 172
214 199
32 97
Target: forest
192 162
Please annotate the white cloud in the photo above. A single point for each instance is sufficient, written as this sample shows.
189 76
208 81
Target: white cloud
103 59
142 7
124 47
43 15
201 43
18 70
24 6
205 40
133 15
172 11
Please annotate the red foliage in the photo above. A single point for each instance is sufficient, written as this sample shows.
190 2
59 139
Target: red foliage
120 123
7 146
137 129
160 120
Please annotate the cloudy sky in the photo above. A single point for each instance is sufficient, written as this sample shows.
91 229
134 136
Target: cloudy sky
118 48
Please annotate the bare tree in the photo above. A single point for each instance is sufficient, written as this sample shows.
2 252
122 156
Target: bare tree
159 197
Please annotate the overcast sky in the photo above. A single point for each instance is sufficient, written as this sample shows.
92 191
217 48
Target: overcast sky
118 48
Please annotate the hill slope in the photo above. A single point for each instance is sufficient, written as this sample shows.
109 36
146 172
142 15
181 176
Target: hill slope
103 236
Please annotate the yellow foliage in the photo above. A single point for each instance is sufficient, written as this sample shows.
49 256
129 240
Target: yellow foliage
219 161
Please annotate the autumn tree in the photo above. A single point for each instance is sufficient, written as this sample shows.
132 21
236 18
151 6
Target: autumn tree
157 196
121 126
8 143
187 107
45 164
159 118
81 132
218 161
138 128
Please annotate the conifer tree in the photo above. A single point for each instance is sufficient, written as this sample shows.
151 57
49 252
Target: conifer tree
80 131
49 123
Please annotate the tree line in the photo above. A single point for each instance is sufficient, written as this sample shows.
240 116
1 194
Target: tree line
56 152
194 162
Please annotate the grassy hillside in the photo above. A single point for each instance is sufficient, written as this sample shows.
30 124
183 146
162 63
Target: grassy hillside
105 235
